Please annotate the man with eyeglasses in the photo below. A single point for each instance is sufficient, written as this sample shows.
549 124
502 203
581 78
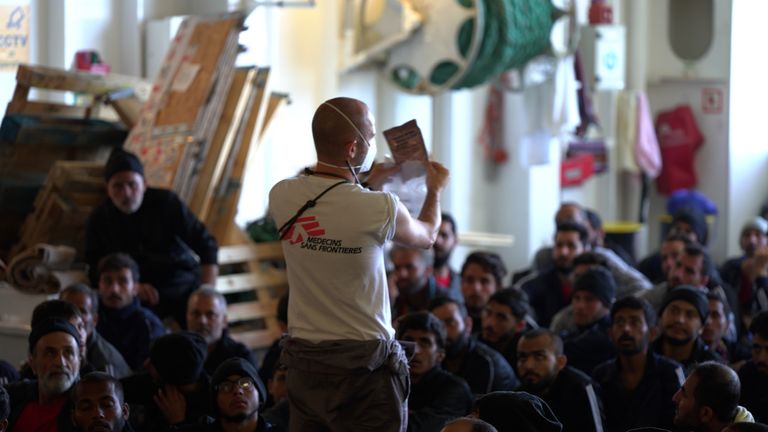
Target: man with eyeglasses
347 371
238 394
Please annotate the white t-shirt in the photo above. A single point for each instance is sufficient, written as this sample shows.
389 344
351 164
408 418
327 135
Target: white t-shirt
335 259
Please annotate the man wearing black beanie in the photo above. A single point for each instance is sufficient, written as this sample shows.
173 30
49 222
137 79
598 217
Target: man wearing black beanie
174 250
589 345
681 321
238 396
54 356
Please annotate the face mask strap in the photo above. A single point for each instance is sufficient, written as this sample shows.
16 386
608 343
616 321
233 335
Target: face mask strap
348 121
332 165
353 172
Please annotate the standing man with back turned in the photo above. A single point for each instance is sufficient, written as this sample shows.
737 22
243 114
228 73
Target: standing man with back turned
346 370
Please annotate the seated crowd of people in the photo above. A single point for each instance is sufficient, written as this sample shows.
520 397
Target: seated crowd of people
592 340
584 340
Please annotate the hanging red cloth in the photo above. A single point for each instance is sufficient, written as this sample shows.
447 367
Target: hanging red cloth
492 135
679 138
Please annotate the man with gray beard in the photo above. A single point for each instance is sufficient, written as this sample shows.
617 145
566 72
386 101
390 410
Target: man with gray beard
54 356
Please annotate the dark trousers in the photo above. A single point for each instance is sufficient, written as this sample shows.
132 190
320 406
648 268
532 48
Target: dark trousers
341 386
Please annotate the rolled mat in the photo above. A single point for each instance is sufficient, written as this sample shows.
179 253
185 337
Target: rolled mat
44 269
56 257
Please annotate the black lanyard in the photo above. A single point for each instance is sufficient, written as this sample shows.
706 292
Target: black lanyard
286 228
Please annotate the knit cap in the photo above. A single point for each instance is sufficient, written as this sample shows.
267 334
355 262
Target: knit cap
179 357
51 326
599 282
690 294
121 160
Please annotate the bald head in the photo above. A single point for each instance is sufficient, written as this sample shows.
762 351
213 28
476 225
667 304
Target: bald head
337 123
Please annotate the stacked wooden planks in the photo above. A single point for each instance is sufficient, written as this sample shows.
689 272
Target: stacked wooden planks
253 280
173 133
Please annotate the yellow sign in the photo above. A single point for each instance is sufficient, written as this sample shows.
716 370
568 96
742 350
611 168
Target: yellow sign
14 35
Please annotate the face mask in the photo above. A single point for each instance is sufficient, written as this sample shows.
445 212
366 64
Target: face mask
369 157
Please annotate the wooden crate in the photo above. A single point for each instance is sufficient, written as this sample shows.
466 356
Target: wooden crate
37 133
253 279
70 193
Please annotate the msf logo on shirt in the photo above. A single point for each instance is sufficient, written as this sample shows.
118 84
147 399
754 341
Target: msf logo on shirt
307 234
304 227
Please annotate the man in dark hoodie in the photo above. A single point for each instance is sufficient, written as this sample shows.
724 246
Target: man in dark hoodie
505 317
637 386
174 249
589 345
482 367
683 314
123 321
544 372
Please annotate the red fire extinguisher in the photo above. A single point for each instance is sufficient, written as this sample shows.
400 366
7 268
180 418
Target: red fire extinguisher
600 12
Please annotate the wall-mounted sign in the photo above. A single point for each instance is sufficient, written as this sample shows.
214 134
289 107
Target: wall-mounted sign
712 100
14 35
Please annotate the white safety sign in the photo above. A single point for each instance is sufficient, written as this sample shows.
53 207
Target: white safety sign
14 35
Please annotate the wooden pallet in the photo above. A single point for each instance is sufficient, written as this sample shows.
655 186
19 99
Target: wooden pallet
252 278
30 77
70 193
